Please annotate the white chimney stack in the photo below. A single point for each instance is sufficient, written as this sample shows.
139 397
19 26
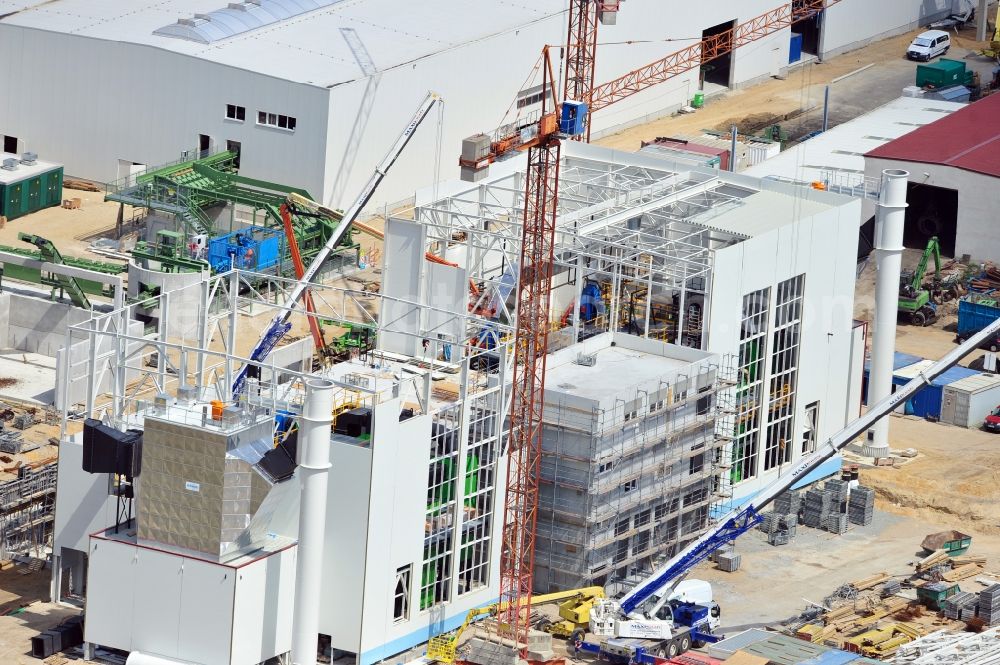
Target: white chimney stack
890 215
313 472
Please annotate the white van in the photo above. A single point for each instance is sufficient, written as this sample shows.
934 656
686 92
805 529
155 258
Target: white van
929 45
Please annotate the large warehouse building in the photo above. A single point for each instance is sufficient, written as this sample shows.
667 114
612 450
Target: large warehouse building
308 89
954 166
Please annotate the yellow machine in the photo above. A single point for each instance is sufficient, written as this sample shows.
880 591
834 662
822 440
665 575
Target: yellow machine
994 50
574 613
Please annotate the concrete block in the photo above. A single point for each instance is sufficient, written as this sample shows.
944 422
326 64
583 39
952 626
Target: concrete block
484 652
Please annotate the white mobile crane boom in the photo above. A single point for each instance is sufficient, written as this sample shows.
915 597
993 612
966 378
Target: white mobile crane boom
279 325
637 613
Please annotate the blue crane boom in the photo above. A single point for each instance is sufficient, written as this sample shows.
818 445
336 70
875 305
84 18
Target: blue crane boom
280 324
742 519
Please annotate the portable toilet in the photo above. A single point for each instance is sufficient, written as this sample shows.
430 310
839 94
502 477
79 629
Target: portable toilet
27 184
969 400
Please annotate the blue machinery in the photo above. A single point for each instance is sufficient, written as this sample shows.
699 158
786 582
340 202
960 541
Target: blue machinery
744 518
280 324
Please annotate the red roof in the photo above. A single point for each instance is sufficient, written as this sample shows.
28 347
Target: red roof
966 139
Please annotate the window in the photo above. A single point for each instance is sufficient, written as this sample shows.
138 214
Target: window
811 428
401 595
485 440
276 120
640 543
234 112
621 526
659 512
642 519
435 576
784 373
10 144
696 463
604 467
656 406
630 485
530 96
749 389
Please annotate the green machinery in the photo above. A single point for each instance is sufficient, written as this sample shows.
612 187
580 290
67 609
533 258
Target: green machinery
198 193
76 288
915 302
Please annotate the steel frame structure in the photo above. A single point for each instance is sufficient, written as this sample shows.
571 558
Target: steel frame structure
705 51
581 53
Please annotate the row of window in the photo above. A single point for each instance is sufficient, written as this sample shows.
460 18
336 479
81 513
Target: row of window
265 118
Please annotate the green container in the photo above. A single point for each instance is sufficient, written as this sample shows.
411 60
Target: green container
34 191
941 74
699 100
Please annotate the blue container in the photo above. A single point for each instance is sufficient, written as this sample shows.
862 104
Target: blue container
574 118
253 248
833 657
795 48
974 316
927 402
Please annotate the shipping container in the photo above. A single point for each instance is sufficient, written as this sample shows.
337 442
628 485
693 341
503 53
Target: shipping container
975 313
942 74
926 403
968 401
899 360
27 185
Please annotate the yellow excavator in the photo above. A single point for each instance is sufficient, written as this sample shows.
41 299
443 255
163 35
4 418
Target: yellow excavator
994 49
574 615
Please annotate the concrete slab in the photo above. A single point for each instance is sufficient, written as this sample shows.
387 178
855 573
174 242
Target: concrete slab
33 376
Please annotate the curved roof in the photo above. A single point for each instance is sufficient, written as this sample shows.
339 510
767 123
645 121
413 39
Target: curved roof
237 18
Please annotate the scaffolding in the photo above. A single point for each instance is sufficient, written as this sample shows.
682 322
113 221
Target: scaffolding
625 486
26 512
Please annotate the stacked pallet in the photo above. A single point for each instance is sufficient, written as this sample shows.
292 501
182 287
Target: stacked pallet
728 561
816 508
989 605
769 522
952 607
838 490
788 503
861 506
836 523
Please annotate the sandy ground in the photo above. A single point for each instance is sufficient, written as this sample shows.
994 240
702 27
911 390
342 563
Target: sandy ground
24 614
803 89
70 230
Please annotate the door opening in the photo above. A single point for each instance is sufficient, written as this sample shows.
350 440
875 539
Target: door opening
717 72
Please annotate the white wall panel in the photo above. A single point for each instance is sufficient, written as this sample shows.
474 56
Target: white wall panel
206 612
156 602
853 23
404 249
262 615
110 578
83 506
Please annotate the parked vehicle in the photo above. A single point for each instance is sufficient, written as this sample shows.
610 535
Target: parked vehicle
992 422
929 45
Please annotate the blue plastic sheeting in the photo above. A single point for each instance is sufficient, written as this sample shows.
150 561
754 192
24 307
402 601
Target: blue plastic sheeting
253 248
899 361
834 657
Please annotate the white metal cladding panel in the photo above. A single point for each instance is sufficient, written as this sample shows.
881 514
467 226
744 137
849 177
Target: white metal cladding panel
110 576
344 545
83 506
206 612
447 289
262 616
851 23
402 272
156 602
396 521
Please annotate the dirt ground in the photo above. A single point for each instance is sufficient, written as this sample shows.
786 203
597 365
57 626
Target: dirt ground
24 613
70 230
803 90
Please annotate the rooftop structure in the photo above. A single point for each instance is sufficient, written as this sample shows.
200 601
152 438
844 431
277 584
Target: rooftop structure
955 171
836 157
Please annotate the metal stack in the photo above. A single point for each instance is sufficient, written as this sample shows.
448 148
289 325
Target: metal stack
891 588
989 605
728 561
24 420
835 523
816 508
10 442
778 538
952 607
839 489
769 522
861 506
788 503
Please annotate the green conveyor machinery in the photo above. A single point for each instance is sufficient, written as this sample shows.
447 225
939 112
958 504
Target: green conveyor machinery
187 188
75 288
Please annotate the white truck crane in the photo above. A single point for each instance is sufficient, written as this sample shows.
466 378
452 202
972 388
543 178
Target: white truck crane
280 325
663 615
